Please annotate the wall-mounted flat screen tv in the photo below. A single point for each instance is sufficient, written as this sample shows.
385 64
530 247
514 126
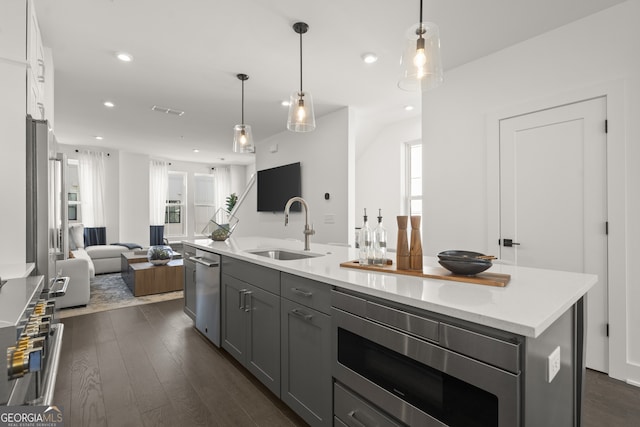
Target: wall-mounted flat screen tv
277 185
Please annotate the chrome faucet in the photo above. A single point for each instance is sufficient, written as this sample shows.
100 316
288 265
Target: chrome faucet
308 230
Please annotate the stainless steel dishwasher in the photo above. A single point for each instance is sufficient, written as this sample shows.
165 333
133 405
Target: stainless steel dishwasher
208 295
189 252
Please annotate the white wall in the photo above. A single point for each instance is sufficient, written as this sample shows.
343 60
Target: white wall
593 51
324 155
380 171
134 198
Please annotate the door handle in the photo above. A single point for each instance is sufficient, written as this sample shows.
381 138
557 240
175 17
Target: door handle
302 314
509 243
247 301
301 292
241 298
356 421
199 260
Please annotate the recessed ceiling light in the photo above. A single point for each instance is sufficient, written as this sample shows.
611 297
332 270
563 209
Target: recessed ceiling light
369 57
195 150
108 104
408 107
124 57
285 103
98 137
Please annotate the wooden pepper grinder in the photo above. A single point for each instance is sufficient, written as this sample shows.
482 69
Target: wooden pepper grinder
415 253
402 255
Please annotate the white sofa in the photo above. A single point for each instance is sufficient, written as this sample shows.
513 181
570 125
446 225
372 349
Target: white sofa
85 264
79 271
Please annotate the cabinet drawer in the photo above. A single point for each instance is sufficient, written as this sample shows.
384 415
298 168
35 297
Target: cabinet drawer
355 412
316 295
257 275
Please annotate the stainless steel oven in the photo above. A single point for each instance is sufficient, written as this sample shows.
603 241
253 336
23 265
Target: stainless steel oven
421 371
31 340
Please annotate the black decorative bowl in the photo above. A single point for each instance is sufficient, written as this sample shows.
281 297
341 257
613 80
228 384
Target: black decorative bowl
463 256
465 268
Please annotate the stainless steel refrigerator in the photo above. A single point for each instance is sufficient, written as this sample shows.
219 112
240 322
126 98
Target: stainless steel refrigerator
47 225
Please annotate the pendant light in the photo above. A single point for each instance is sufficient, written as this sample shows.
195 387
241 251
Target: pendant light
301 117
421 67
242 138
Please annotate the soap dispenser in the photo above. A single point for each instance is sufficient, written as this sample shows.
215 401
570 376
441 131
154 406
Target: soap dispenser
380 242
366 242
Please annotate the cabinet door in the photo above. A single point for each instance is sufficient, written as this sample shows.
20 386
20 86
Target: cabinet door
190 290
13 27
263 339
234 323
306 366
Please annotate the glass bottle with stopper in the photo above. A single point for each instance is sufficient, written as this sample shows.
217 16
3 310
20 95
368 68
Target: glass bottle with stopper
380 242
366 241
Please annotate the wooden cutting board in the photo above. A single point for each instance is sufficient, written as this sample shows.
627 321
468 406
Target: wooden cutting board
489 279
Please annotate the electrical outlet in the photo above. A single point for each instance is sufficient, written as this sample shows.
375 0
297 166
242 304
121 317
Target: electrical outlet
553 364
329 218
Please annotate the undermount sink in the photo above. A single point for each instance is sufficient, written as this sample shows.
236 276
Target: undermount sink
283 254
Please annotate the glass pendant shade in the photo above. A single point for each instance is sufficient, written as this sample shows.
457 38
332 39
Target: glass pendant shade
421 66
242 139
301 116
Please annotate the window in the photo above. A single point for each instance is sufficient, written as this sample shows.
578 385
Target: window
413 184
175 219
204 202
73 191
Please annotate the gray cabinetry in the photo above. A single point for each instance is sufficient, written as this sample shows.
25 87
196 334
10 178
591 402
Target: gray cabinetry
251 319
306 349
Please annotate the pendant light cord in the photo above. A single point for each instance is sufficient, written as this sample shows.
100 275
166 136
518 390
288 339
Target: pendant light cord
420 13
242 107
300 63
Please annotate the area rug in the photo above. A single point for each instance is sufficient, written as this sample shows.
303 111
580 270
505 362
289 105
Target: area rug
108 292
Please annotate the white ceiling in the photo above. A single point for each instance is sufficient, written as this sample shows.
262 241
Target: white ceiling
187 54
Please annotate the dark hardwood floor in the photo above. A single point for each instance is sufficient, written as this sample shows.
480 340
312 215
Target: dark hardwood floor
147 366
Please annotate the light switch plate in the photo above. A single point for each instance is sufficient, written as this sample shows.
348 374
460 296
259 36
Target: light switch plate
553 364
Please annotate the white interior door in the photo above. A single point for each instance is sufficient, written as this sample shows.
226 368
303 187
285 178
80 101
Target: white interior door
553 201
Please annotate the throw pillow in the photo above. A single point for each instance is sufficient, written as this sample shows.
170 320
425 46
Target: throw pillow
71 255
77 233
72 242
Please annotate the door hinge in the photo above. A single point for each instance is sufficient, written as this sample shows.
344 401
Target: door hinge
606 228
606 126
607 329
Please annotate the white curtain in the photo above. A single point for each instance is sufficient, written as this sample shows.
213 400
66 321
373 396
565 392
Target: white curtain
223 185
158 186
91 176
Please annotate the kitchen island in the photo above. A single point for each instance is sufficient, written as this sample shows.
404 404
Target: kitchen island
535 324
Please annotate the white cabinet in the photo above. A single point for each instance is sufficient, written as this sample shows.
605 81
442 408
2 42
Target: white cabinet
36 66
21 45
13 37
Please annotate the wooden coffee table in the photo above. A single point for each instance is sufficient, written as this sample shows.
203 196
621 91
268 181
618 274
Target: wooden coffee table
131 257
144 278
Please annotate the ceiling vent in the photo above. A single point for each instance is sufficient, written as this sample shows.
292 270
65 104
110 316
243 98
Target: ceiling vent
167 110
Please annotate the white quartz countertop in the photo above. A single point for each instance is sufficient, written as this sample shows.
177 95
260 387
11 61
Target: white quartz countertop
531 302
